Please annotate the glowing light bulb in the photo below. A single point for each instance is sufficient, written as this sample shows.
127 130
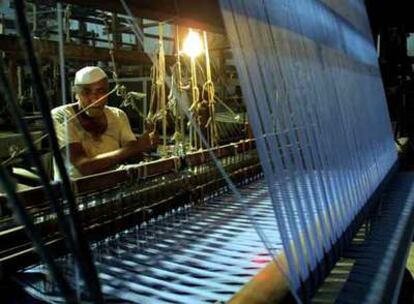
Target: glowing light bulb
192 45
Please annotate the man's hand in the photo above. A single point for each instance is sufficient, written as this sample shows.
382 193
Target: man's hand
155 139
149 141
105 161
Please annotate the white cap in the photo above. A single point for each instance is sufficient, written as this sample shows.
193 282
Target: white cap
89 74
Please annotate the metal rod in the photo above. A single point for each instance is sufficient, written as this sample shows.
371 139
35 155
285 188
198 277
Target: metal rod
24 219
59 10
80 248
210 91
195 97
5 91
161 71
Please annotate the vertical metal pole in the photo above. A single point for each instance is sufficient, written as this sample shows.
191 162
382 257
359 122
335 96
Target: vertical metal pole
59 11
162 85
145 103
195 96
180 123
210 91
76 236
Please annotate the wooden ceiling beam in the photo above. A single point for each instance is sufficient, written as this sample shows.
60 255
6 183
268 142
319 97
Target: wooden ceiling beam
49 49
200 14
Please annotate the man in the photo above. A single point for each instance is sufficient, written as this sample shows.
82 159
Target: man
100 137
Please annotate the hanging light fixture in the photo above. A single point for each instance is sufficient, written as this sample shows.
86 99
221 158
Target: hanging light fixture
193 46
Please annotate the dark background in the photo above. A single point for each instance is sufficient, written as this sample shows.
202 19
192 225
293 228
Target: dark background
392 23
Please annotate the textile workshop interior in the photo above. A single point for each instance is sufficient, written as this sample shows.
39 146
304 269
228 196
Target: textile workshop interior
225 151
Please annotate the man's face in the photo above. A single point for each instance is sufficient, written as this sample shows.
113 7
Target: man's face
91 93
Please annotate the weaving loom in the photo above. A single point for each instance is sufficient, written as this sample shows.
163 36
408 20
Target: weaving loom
307 126
177 230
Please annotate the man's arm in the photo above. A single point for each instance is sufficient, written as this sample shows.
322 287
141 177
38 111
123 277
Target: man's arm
101 162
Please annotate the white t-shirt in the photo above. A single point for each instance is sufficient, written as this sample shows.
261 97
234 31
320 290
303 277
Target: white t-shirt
118 133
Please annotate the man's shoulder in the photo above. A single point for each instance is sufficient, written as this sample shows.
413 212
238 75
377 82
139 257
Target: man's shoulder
60 112
115 111
117 117
63 108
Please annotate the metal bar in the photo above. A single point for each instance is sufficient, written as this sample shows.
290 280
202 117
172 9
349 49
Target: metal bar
79 244
47 49
24 218
187 13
